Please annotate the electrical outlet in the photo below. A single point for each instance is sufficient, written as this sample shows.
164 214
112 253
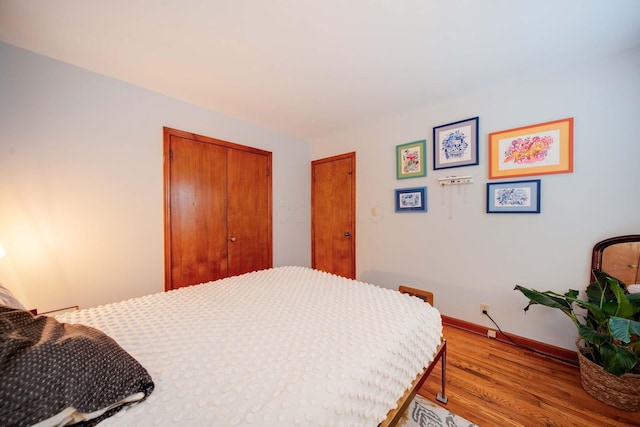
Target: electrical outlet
491 333
484 308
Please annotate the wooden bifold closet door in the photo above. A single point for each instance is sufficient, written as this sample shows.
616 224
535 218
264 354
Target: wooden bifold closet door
218 215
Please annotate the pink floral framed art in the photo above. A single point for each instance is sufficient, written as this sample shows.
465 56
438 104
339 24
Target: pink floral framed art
411 160
540 149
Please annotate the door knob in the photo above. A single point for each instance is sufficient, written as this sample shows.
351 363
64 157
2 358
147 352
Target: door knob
233 239
347 234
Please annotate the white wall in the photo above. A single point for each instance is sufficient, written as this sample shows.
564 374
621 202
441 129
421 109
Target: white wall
81 182
81 190
467 256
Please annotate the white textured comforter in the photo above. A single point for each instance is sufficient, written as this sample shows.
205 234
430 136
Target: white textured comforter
281 347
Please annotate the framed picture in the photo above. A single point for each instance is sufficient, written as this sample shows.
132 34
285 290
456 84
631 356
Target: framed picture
456 144
513 197
411 199
532 150
411 160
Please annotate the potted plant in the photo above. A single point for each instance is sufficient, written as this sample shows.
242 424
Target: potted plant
608 324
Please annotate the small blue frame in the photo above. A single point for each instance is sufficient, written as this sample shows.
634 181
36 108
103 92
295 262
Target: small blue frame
411 199
513 197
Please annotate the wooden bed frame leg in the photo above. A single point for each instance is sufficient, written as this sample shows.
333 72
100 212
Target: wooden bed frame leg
394 416
442 353
442 397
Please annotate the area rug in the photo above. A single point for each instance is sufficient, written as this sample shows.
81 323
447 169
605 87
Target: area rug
423 413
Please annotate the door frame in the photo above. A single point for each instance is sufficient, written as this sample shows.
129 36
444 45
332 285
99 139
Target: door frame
352 156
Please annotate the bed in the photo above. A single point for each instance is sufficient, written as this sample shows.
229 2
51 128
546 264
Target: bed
280 347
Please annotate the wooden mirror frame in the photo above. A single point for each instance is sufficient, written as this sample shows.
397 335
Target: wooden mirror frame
598 249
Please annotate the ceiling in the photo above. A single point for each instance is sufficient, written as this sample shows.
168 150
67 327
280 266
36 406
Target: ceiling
309 68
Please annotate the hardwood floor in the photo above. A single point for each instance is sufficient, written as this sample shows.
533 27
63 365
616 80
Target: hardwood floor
496 384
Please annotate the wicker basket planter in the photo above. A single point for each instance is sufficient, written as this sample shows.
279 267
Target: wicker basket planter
621 392
604 296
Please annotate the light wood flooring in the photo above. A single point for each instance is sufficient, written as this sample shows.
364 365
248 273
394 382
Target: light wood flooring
496 384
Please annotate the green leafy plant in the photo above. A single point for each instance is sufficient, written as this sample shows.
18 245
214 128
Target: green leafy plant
609 322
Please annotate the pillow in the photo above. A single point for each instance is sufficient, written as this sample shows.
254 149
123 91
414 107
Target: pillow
8 299
57 374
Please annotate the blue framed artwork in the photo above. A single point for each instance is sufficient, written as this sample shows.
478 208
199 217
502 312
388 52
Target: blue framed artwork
411 160
411 199
456 144
513 197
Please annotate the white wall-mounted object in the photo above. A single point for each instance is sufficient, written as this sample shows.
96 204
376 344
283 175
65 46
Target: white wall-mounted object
456 180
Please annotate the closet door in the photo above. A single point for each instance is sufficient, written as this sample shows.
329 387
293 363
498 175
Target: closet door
197 211
249 215
218 214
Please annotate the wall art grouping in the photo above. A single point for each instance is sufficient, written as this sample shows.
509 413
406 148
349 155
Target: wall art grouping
539 149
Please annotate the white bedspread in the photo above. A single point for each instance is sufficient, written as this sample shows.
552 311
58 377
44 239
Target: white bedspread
281 347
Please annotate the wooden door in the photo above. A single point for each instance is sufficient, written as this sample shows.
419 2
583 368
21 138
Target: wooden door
197 235
218 214
333 229
249 219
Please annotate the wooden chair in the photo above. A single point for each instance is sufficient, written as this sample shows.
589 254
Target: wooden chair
423 295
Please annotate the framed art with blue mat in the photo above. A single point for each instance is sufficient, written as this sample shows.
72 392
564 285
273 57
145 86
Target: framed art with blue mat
514 197
411 199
